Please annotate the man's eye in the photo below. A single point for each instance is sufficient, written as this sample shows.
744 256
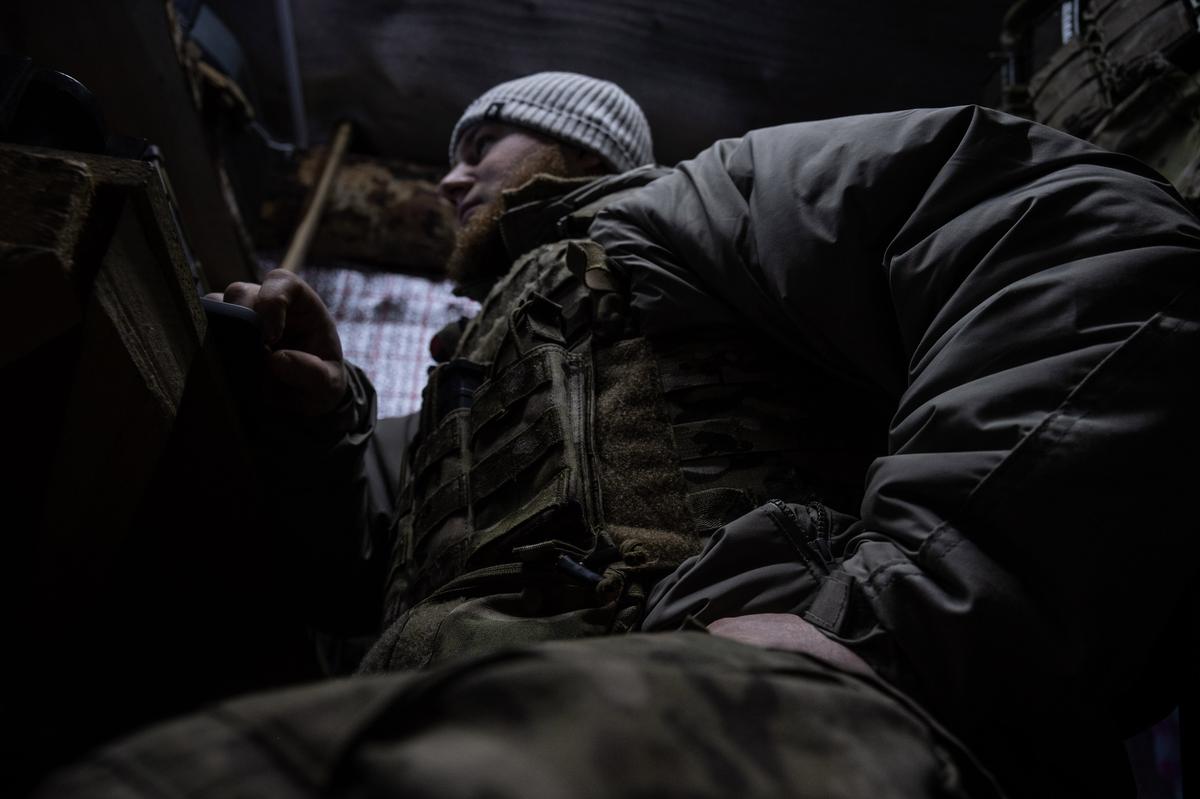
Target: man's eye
483 144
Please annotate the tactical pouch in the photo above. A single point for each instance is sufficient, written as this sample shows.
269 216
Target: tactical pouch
566 464
505 461
507 605
502 538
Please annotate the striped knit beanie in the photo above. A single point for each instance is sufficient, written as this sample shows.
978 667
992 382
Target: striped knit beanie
589 113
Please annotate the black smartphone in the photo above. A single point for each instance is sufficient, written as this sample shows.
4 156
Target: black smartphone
235 339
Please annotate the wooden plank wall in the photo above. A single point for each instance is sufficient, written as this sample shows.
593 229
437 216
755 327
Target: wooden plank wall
123 51
138 574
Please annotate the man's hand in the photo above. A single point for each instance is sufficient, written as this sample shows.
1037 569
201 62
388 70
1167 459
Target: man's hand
305 370
786 631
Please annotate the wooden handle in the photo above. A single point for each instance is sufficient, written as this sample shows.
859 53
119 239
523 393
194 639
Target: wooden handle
316 201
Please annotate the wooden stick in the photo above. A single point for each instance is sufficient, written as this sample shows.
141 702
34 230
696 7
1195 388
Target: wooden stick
316 201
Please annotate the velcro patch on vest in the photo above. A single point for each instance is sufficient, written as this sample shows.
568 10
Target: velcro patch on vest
640 482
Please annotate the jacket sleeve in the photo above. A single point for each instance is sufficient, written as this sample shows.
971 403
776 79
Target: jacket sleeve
1028 303
321 509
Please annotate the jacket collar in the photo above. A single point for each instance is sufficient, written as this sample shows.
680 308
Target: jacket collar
549 208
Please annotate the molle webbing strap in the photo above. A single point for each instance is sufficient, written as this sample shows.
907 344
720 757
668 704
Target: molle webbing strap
447 498
507 460
446 439
519 381
551 496
404 504
517 454
451 385
441 452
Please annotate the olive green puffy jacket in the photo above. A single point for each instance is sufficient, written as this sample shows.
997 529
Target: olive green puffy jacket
1028 304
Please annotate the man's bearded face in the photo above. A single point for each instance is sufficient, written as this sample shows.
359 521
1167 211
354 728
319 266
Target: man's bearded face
492 158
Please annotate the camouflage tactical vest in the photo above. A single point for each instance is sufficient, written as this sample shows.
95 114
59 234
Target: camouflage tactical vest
1119 73
565 463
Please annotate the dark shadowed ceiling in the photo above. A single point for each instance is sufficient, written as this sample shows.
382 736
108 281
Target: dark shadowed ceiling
702 70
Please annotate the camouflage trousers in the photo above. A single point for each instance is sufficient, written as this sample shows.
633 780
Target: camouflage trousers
663 715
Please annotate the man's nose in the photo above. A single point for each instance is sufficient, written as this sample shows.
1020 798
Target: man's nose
456 183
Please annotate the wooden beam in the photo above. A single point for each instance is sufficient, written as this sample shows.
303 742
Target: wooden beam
315 206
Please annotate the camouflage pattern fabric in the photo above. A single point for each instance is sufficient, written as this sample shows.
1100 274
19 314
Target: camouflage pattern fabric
1122 75
555 435
668 715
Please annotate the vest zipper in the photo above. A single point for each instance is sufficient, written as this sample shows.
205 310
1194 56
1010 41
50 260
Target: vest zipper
806 539
487 573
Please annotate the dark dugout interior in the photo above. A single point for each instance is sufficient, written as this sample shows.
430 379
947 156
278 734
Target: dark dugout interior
702 71
141 579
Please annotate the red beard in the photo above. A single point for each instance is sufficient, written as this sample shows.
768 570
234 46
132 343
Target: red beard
479 257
